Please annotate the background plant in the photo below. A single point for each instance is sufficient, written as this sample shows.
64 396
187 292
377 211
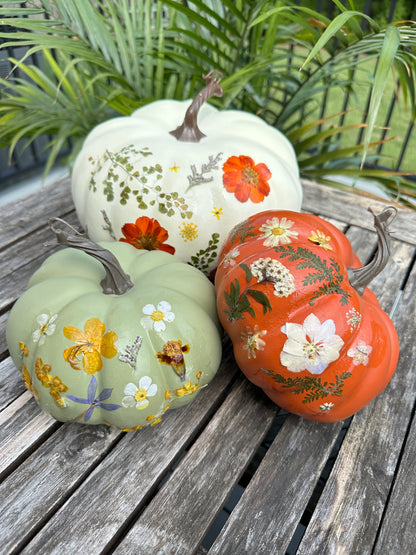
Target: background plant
96 60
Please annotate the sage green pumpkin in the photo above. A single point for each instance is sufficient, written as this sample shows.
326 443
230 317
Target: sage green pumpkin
121 359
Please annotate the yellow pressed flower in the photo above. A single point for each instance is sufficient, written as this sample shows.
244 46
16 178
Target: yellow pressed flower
24 350
217 212
320 239
186 389
174 168
188 231
91 344
27 380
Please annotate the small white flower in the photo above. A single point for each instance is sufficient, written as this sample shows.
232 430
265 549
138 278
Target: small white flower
353 318
138 396
326 406
360 353
310 346
156 317
269 269
228 259
252 340
277 232
46 327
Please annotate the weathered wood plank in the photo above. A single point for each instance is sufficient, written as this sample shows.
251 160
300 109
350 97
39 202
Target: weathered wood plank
351 506
267 514
353 209
11 384
18 219
397 534
180 515
22 425
125 479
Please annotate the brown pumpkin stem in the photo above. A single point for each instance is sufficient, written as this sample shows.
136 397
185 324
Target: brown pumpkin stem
116 281
189 130
361 277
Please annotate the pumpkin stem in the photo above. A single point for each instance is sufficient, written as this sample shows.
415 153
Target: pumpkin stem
189 130
361 277
116 281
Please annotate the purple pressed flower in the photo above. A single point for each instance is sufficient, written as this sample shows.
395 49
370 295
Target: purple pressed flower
93 401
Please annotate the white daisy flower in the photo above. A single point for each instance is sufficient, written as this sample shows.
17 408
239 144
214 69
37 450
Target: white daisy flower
46 327
326 406
138 396
277 232
157 316
310 346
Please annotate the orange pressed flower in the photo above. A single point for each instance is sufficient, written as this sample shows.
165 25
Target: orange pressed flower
172 354
147 234
246 180
91 344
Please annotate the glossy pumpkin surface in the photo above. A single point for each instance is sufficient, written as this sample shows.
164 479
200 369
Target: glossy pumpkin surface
300 330
120 359
135 181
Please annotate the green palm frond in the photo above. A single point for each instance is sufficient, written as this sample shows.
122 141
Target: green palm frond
279 60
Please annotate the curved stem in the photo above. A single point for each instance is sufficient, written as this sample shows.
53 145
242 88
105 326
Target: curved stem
116 281
189 130
361 277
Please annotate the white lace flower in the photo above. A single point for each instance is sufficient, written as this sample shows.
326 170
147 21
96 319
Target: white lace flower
277 232
157 316
138 396
46 327
310 346
252 340
359 354
326 407
269 269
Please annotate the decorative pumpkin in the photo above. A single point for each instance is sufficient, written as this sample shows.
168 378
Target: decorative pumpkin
98 346
292 296
181 191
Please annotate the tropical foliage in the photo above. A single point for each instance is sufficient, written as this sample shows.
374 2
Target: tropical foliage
96 60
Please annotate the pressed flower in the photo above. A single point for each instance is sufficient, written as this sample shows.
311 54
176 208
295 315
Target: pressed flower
187 389
156 317
43 372
326 407
359 354
310 346
137 396
252 340
277 231
320 239
268 269
94 401
27 380
188 231
353 318
54 383
172 355
46 327
245 179
23 349
229 258
91 344
146 234
217 212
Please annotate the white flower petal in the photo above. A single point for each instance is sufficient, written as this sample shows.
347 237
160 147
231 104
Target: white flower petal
149 309
164 307
169 317
159 326
140 405
296 332
42 319
151 392
128 401
130 389
292 363
147 322
295 348
311 326
326 331
145 382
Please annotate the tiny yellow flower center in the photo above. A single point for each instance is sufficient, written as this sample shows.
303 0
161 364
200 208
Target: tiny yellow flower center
140 395
278 231
44 328
157 315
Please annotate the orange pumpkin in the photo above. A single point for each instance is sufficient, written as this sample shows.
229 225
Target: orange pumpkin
292 296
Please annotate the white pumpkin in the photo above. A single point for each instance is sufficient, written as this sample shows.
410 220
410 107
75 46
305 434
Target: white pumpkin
182 191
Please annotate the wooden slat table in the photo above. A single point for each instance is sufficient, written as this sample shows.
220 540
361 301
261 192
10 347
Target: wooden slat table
230 473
